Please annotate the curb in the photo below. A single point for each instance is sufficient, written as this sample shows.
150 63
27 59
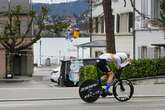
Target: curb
37 99
145 78
15 80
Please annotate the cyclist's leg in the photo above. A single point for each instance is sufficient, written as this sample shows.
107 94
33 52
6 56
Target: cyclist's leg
104 77
110 77
103 66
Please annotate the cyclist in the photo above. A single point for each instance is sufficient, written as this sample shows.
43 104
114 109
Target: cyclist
121 59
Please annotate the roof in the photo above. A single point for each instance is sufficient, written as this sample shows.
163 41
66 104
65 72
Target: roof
96 43
159 45
85 59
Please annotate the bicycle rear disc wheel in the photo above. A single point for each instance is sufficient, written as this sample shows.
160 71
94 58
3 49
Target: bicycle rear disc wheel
123 90
89 91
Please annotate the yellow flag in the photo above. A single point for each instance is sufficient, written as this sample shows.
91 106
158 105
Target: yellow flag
76 34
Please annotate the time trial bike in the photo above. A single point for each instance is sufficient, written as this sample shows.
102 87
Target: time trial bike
122 89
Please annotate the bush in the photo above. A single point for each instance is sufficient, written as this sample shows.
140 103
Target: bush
88 72
138 69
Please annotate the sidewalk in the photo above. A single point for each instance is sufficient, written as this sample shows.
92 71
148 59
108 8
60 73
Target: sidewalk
40 73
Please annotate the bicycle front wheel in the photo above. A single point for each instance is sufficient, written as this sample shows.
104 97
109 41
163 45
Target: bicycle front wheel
123 90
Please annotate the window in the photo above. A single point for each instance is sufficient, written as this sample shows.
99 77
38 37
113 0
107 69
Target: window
157 52
143 52
98 53
124 22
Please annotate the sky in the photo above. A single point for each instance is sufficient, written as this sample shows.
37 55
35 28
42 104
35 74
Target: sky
51 1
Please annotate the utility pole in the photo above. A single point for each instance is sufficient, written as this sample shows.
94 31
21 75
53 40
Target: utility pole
134 33
40 52
90 25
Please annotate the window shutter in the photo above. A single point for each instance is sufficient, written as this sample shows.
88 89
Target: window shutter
96 21
150 52
117 23
139 52
155 5
130 21
102 24
113 21
162 52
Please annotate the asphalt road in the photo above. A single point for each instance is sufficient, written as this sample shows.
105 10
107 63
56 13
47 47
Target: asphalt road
150 103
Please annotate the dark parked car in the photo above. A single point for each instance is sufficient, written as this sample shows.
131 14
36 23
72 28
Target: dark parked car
69 73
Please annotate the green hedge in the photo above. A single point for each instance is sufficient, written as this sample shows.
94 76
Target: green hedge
138 69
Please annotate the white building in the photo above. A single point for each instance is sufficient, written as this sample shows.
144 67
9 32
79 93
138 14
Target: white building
57 49
139 46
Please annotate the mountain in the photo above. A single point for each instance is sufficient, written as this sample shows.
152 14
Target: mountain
64 9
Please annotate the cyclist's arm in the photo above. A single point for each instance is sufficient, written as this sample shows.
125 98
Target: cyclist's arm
121 65
124 64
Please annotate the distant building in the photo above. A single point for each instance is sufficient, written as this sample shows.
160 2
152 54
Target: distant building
24 61
148 42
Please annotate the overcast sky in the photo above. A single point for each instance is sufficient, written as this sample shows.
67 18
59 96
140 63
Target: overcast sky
51 1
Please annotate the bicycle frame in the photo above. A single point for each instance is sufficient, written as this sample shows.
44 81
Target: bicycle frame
116 77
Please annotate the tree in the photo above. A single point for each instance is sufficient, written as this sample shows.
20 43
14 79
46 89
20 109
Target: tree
109 27
15 37
56 26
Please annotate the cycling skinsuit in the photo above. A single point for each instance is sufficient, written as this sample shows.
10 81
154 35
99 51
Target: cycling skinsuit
102 64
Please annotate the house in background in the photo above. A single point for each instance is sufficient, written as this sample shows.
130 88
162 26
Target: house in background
139 45
24 60
150 40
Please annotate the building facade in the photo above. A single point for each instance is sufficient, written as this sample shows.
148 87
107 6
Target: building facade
138 45
148 34
23 62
